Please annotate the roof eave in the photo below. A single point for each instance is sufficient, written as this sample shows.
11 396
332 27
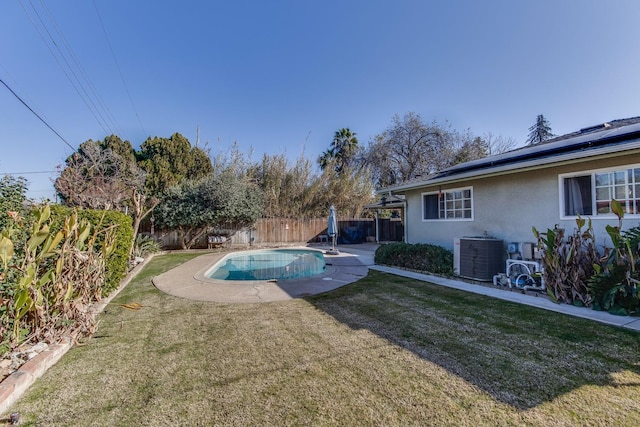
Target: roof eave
392 205
630 147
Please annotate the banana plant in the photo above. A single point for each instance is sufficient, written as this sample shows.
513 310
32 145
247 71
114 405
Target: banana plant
55 278
615 284
568 262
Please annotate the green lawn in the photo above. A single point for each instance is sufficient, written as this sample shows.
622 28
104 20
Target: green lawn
384 351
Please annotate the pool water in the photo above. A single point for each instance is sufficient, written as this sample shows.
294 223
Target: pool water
269 265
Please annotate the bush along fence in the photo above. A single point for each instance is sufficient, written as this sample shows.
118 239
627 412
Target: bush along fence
53 267
575 273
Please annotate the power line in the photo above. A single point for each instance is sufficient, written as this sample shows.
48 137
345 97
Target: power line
89 96
81 69
38 116
71 81
16 86
124 83
26 173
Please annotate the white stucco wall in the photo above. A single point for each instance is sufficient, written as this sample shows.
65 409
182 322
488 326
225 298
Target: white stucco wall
507 206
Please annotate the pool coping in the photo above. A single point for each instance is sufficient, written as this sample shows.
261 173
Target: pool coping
188 280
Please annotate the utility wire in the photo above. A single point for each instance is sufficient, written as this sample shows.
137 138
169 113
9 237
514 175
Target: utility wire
26 173
124 83
83 74
87 97
75 81
73 84
9 79
37 115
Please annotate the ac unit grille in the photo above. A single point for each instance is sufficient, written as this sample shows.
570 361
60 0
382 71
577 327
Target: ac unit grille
481 259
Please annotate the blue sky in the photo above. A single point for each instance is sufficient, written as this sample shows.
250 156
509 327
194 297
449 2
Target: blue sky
282 76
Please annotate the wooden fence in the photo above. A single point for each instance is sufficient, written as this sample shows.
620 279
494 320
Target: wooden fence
275 231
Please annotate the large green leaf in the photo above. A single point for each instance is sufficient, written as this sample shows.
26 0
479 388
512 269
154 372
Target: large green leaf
46 278
37 238
48 249
85 230
21 300
45 212
28 277
6 250
617 209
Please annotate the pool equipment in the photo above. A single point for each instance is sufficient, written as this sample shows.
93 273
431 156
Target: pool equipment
523 268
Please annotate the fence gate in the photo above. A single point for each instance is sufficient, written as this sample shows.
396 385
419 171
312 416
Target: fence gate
390 230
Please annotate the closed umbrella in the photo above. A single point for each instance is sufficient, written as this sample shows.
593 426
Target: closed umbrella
332 229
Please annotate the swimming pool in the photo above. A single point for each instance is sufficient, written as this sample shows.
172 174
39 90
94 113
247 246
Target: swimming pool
272 264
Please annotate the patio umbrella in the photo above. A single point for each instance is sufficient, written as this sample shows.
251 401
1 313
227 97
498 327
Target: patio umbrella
332 228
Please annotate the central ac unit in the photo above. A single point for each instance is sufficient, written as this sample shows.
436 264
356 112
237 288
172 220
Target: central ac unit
478 258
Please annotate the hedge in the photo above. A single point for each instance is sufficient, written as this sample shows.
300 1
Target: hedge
420 256
118 262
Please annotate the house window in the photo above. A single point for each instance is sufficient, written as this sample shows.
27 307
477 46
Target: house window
448 205
591 193
577 196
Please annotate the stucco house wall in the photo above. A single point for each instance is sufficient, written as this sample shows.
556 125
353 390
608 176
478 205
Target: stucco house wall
507 206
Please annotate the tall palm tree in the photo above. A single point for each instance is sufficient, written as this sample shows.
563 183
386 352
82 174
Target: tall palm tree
342 150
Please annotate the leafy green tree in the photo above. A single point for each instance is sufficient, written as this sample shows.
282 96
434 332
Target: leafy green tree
540 131
168 161
222 201
342 151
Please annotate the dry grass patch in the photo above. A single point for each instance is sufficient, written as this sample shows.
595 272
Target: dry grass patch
382 351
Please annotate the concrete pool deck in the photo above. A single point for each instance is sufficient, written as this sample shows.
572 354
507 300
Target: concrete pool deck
188 280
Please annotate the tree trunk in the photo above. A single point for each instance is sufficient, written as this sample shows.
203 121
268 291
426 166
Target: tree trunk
191 236
139 201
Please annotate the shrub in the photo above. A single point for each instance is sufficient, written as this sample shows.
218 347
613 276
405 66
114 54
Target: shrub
568 262
420 256
615 285
49 280
118 262
145 245
575 273
13 195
